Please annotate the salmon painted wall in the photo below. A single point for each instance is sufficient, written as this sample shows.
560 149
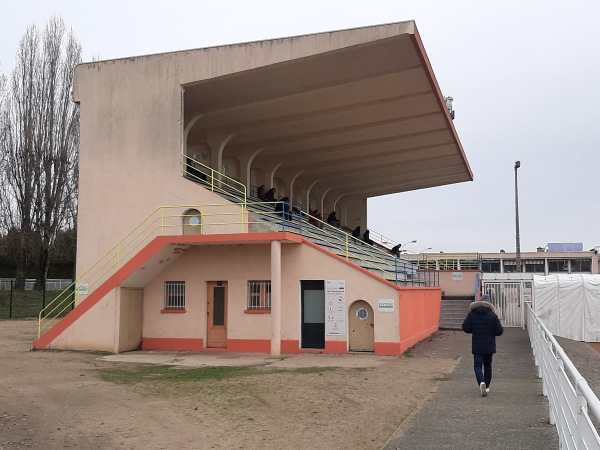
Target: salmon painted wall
419 314
239 264
236 264
307 263
458 282
97 329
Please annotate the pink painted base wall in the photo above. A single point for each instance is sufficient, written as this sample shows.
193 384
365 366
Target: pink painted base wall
419 315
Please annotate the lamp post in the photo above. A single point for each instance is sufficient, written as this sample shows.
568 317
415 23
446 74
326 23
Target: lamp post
409 242
517 236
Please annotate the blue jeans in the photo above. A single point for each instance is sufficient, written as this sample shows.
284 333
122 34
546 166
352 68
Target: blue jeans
484 375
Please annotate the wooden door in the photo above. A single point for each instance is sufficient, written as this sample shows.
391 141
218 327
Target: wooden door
361 325
217 314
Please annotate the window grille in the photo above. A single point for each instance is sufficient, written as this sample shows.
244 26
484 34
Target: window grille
174 294
259 295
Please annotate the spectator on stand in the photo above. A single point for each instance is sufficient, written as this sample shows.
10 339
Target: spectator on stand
262 192
283 207
270 195
333 220
366 238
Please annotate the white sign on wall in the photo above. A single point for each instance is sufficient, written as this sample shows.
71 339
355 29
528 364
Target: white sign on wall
335 307
457 276
386 305
82 289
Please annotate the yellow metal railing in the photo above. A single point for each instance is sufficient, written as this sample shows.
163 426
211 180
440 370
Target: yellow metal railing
219 218
213 179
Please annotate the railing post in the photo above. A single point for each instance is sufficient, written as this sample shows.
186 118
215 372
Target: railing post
11 300
580 417
396 269
347 249
162 221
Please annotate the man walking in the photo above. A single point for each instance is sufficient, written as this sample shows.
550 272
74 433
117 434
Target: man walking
484 325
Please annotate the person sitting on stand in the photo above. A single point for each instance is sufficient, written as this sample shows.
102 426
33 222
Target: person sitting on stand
270 195
261 192
283 207
356 232
366 238
333 220
395 250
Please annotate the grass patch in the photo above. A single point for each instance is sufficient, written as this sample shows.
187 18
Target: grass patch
171 374
25 304
153 373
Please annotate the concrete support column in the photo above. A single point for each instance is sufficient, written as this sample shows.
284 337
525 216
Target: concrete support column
275 298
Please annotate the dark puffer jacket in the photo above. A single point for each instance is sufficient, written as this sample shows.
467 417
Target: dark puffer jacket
483 323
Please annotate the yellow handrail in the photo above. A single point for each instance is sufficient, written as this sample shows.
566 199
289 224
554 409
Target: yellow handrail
202 173
163 220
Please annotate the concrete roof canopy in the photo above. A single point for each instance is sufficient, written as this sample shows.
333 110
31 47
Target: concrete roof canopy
357 120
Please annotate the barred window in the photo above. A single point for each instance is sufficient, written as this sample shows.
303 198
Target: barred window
174 294
259 295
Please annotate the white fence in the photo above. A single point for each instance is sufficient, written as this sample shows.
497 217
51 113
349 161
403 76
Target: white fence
51 284
571 399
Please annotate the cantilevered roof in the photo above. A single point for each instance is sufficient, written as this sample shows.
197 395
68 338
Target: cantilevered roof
360 121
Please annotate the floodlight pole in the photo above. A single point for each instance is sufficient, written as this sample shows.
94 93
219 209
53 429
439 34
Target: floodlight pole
517 236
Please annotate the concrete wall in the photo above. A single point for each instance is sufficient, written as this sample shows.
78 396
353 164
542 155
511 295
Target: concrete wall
458 283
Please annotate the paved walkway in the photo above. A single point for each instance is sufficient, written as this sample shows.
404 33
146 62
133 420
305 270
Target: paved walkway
513 416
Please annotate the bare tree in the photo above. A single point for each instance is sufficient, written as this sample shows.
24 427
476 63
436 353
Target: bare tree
40 142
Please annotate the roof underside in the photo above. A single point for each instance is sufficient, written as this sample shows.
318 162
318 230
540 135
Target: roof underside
362 121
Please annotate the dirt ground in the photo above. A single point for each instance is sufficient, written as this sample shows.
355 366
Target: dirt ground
51 399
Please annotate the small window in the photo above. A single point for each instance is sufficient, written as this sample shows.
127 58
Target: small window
174 294
259 295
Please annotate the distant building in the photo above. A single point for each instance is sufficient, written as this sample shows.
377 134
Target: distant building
540 262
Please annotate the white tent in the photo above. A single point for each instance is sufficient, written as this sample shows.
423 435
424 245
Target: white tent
569 305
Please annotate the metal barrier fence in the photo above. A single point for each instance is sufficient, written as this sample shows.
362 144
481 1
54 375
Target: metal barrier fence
23 304
569 396
55 284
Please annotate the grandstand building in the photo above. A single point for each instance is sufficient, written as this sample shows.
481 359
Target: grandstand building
175 252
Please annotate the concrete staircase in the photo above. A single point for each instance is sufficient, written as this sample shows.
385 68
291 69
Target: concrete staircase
453 312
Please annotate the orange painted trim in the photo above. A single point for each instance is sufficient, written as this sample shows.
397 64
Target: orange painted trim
388 348
290 346
336 347
257 311
232 238
351 264
173 311
249 345
173 344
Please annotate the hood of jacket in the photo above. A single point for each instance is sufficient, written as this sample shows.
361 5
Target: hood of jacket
482 304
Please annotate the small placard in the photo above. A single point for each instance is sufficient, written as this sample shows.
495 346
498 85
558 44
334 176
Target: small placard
386 305
82 289
457 276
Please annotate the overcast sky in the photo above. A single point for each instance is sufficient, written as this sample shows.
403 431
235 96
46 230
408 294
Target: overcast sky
524 75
